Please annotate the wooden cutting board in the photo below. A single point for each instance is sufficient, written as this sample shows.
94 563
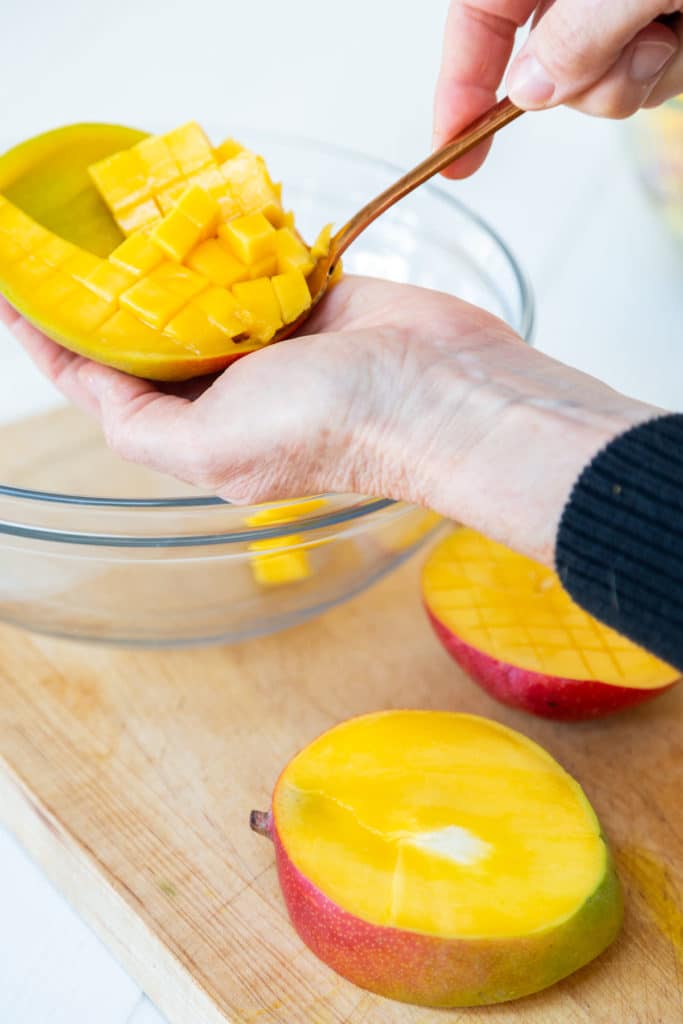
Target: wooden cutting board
129 777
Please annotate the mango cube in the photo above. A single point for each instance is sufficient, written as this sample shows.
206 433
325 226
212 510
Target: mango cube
11 248
210 179
169 196
108 281
189 147
193 329
28 272
248 177
121 179
54 290
175 235
82 310
138 255
227 150
200 207
81 265
321 246
281 566
21 228
160 167
125 332
56 251
193 219
259 299
225 312
291 253
229 204
214 261
277 513
139 217
251 237
157 298
265 267
292 294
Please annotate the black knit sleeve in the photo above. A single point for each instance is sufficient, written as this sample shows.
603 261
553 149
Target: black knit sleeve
619 548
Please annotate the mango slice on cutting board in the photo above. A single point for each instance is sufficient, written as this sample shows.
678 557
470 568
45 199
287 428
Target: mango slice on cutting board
512 627
158 255
440 859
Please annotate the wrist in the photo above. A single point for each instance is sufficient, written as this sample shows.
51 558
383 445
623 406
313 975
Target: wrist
508 457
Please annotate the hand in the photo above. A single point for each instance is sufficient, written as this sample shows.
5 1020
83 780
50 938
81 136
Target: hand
402 392
604 57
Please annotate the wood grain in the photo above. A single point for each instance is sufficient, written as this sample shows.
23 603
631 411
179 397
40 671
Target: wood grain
129 777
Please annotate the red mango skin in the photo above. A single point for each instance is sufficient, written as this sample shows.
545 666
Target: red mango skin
427 970
566 700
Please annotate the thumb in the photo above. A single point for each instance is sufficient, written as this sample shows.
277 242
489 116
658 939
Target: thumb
576 42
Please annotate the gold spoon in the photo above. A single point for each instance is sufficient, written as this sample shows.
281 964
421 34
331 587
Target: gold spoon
486 125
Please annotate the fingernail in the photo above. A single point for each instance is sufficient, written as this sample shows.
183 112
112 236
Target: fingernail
528 83
649 58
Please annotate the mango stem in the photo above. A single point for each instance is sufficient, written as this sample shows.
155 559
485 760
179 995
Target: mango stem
259 821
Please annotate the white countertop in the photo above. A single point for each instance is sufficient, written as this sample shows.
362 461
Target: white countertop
559 188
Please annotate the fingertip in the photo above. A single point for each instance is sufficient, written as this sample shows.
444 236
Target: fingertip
528 84
468 164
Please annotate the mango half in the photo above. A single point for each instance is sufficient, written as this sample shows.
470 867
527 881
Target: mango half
441 859
512 627
159 255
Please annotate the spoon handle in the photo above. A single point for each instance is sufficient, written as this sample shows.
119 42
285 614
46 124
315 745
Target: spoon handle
486 125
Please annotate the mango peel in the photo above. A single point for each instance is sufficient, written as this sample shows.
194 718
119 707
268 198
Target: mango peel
159 255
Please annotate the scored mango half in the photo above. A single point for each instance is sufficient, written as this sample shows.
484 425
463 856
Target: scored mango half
162 256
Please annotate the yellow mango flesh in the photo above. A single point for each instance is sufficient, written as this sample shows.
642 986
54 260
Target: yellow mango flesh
443 824
516 611
107 297
282 559
47 177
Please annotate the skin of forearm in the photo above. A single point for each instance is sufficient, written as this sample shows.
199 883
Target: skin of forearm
504 434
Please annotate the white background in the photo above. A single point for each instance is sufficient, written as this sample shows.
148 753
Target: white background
559 187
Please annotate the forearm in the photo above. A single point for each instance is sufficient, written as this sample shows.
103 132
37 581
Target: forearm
510 431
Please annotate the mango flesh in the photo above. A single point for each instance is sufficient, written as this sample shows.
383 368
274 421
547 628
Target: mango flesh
441 859
511 625
210 269
283 560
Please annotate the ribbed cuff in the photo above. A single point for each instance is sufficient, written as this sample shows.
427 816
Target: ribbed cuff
619 550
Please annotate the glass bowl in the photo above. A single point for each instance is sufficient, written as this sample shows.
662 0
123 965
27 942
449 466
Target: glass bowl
96 549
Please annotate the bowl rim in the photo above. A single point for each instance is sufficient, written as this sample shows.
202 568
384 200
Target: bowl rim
361 506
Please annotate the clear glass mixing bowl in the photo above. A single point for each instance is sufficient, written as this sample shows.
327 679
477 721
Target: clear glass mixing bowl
96 549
